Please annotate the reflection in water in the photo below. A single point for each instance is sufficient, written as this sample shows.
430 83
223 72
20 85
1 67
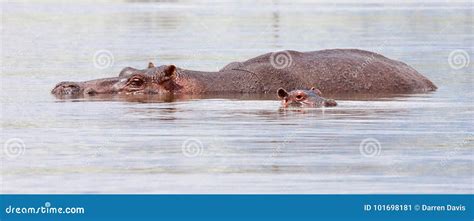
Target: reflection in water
417 143
159 98
276 23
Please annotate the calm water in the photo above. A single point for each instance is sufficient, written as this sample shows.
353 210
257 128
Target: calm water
242 144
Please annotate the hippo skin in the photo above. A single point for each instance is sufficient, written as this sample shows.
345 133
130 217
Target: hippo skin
333 71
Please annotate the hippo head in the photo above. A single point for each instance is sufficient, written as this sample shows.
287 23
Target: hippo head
304 98
153 80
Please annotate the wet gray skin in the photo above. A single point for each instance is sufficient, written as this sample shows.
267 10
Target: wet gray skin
335 71
304 99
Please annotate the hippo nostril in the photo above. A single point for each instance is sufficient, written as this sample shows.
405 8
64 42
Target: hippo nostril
69 87
299 97
66 85
90 91
66 88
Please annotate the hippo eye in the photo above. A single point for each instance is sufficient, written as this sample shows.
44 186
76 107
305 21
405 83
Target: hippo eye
136 82
299 97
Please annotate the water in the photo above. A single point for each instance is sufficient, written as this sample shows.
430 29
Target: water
420 143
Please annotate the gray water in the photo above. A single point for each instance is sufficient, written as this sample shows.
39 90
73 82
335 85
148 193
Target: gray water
421 143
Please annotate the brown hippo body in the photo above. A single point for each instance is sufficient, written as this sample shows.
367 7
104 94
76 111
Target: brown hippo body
335 71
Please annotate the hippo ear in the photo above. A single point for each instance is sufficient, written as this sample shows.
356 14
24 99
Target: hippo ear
318 92
282 93
151 65
170 70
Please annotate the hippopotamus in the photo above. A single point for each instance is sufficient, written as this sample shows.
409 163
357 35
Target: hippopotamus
332 71
304 98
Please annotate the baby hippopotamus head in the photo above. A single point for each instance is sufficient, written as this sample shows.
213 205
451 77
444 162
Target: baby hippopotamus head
304 98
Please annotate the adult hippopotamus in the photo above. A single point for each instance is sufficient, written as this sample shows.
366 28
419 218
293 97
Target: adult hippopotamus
335 71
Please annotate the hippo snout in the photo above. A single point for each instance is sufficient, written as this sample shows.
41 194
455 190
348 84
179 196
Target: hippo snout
67 88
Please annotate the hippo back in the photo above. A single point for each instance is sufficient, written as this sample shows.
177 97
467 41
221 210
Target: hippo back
335 71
